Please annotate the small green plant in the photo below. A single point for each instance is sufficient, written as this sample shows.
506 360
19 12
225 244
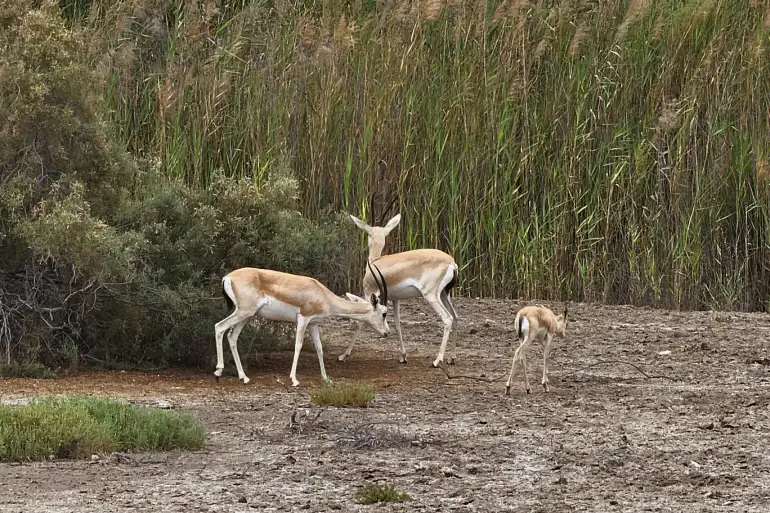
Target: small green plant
77 427
374 494
345 393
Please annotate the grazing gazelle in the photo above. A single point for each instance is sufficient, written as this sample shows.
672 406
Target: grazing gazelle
429 273
535 323
278 296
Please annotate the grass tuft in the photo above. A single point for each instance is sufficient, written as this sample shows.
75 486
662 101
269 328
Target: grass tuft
77 427
375 494
346 393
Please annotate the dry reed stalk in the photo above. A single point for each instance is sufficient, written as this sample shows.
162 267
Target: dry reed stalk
577 40
635 9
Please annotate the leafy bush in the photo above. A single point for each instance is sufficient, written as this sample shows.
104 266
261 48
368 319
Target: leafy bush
343 393
374 494
77 427
105 257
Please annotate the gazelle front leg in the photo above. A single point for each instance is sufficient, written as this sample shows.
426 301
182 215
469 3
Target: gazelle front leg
546 351
301 325
346 354
397 318
316 336
446 318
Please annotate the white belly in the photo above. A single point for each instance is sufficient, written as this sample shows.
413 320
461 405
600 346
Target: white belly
275 310
407 289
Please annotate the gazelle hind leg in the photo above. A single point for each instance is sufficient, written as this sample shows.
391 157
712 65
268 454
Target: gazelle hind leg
232 338
316 336
397 319
518 357
446 318
447 302
220 329
546 352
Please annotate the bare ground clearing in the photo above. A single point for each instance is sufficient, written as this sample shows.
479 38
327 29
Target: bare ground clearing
606 438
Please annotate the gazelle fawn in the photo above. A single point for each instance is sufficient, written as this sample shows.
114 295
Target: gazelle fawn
535 323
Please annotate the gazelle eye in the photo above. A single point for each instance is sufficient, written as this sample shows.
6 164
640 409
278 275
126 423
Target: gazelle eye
384 315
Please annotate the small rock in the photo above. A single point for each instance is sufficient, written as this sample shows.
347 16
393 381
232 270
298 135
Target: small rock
695 464
162 404
473 331
664 353
291 459
95 458
561 481
243 500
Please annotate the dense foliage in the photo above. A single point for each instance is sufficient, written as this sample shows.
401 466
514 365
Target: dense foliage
102 256
570 149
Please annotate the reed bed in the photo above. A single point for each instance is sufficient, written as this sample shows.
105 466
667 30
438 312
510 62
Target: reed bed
592 151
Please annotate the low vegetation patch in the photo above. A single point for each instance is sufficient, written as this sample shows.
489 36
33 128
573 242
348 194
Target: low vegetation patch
374 494
77 427
27 370
345 393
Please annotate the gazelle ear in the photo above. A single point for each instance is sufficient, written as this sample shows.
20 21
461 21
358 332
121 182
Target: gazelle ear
365 227
392 223
375 300
353 297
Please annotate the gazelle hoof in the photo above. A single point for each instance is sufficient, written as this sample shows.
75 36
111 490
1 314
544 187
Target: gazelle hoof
246 380
402 358
343 357
529 390
450 360
436 363
507 390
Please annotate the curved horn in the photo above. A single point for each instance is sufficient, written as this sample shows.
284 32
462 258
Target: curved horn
384 297
374 277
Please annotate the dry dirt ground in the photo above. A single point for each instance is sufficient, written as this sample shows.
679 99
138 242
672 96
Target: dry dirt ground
606 437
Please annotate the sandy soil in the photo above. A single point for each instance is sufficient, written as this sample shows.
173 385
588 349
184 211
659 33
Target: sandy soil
605 438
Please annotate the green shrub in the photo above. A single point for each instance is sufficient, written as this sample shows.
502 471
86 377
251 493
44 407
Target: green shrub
374 494
343 393
77 427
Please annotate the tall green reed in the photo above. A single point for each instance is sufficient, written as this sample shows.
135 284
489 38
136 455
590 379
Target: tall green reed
563 150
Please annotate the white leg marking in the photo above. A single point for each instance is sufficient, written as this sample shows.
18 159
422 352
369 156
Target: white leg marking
447 302
301 325
220 329
518 356
232 338
316 336
446 318
397 319
546 351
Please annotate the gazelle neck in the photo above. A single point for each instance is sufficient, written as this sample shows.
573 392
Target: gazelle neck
346 309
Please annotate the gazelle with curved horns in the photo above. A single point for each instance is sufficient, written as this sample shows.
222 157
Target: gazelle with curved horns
429 273
278 296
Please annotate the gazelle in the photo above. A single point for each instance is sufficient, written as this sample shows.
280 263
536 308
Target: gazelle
278 296
429 273
535 323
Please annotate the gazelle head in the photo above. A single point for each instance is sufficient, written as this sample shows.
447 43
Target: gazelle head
561 323
376 234
378 317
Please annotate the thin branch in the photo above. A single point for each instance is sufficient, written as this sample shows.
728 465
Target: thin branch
623 362
475 378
